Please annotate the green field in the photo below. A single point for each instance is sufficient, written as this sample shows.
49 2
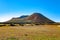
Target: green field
39 32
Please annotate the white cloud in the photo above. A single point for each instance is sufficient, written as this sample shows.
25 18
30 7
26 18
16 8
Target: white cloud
3 19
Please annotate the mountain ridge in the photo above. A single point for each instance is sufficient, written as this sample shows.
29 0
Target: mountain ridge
34 18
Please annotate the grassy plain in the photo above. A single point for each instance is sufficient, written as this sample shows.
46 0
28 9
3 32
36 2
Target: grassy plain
37 32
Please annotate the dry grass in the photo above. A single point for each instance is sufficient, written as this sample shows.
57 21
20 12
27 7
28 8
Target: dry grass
41 32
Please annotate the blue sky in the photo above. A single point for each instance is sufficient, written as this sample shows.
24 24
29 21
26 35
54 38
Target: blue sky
16 8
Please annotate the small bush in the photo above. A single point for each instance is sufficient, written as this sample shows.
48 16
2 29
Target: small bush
2 25
21 24
26 34
12 38
12 24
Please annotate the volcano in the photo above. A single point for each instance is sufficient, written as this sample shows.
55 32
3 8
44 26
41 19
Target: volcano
34 18
39 18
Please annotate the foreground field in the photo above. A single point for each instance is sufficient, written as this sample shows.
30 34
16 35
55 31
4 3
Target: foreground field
41 32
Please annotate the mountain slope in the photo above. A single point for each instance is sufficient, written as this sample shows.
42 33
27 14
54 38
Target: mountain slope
39 18
34 18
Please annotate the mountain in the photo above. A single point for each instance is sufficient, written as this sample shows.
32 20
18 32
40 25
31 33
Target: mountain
18 19
34 18
39 18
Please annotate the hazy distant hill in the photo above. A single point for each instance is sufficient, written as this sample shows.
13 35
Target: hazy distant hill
23 16
34 18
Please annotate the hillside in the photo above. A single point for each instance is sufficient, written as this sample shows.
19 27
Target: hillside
34 18
39 18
